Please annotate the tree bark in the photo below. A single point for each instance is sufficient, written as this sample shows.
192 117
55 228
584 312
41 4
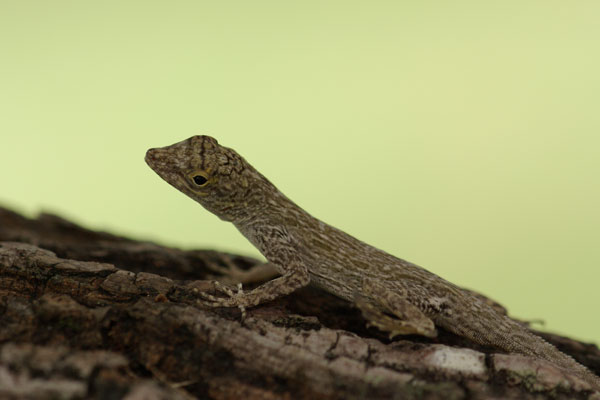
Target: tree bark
87 314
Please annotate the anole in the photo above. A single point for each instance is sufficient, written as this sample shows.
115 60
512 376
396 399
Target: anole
394 295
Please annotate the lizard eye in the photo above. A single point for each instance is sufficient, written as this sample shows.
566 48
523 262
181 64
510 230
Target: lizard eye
200 180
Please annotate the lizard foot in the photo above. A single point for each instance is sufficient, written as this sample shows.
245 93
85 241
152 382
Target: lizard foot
392 312
234 298
377 317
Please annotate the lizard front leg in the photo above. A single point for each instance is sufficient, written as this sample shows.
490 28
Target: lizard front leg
283 253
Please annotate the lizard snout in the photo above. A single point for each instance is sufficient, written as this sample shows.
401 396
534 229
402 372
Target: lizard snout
152 156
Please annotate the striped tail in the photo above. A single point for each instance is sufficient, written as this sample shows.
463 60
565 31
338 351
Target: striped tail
484 325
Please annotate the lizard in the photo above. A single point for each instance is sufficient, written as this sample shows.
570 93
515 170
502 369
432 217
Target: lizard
394 295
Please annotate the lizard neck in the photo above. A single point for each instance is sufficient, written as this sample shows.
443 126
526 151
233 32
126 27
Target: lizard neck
275 211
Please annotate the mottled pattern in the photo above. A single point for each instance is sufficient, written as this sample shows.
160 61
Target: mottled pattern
305 249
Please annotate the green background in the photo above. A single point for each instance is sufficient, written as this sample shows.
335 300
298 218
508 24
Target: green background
463 136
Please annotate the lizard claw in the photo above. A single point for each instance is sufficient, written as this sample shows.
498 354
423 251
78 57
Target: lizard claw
232 299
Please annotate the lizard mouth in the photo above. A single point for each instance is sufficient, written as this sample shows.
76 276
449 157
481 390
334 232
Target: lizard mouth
157 160
153 158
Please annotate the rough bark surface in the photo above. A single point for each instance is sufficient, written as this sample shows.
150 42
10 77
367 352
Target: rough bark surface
87 314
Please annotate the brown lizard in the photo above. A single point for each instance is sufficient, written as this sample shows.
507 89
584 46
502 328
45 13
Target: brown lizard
394 295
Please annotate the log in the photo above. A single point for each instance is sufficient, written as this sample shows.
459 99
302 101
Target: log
86 314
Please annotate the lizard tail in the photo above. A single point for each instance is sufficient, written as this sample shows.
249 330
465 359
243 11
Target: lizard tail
500 331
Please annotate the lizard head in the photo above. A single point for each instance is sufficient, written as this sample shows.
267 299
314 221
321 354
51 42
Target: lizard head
215 176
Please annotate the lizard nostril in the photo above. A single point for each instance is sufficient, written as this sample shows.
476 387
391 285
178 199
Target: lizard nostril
150 155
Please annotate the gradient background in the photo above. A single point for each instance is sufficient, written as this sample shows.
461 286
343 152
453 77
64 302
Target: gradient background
463 136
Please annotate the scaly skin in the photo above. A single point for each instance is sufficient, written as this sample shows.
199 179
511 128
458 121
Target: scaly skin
304 249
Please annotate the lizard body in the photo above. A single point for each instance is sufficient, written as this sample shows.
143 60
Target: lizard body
393 294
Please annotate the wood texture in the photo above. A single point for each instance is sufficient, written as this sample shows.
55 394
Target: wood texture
87 314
